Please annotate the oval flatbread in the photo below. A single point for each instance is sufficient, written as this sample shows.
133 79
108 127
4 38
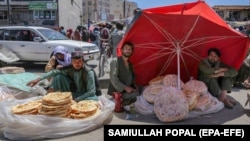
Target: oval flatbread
151 91
27 107
156 80
172 80
195 86
171 105
85 106
57 97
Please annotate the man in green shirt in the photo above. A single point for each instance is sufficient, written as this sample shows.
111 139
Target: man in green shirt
77 78
217 76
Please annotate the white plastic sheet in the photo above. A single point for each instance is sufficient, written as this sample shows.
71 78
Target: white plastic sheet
33 127
215 107
7 55
143 107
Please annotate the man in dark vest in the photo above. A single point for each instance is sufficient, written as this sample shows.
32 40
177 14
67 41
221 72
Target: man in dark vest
122 78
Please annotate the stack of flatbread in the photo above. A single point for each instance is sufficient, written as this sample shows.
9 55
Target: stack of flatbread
56 104
31 107
84 109
59 104
195 86
11 70
193 89
171 105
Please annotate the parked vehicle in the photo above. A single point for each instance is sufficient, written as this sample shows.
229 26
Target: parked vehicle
34 43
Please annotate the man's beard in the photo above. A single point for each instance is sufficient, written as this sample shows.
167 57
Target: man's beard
126 55
212 63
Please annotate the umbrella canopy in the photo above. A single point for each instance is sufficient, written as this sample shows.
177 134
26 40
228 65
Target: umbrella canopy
173 40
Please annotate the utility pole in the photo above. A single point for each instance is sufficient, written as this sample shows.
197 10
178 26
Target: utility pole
57 13
124 9
8 12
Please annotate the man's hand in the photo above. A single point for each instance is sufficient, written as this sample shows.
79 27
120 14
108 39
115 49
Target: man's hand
221 70
129 89
33 82
217 75
59 66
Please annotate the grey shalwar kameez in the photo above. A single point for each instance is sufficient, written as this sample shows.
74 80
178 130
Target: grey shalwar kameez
120 77
215 85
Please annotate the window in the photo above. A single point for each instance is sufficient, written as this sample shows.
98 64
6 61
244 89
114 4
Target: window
13 35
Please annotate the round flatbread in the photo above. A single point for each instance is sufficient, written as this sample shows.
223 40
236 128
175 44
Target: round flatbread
85 106
151 91
57 97
27 107
171 105
203 102
11 70
156 80
195 86
83 115
172 80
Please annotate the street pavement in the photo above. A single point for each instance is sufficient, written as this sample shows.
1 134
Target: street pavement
239 115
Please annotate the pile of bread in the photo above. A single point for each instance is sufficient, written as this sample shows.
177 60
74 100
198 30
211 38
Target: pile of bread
173 104
58 104
11 70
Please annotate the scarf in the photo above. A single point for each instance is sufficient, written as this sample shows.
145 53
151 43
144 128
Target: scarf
67 56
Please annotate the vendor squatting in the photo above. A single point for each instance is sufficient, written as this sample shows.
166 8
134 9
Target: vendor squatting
151 132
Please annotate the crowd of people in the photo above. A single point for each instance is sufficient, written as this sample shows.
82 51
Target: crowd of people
98 34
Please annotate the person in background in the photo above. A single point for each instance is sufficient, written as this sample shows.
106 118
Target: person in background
59 59
85 34
122 77
77 78
116 37
217 76
130 19
77 35
104 37
69 33
61 29
243 77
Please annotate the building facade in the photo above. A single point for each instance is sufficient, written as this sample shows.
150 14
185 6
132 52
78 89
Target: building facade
233 13
107 10
48 13
67 13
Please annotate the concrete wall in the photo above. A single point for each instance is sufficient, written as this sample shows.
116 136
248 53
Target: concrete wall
69 13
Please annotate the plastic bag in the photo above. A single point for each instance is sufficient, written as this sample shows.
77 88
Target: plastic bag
214 106
143 107
5 93
41 126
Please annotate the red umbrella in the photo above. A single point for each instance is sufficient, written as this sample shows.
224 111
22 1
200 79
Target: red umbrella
173 40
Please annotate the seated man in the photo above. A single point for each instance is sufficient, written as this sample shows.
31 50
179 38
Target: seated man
77 78
217 76
122 78
243 77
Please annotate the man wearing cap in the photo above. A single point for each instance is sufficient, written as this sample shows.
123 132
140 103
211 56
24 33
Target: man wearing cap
76 78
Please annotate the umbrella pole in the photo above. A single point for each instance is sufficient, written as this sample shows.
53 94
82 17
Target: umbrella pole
178 51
